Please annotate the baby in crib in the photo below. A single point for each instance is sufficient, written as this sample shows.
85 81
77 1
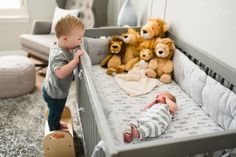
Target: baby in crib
154 120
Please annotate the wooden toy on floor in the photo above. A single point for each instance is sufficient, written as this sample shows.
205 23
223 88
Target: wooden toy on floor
59 143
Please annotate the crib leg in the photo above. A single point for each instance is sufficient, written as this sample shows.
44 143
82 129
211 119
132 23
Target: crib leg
59 143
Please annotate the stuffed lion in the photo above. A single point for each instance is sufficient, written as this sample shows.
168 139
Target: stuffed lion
131 54
113 59
162 66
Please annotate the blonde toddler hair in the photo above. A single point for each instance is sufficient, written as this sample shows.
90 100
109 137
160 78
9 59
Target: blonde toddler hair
67 24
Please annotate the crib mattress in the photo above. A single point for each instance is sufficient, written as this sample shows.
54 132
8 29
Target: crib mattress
120 108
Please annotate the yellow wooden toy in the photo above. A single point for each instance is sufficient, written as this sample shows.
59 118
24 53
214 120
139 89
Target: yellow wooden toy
59 143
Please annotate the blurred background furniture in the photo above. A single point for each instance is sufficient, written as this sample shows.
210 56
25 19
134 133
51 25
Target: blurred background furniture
92 12
13 52
17 75
127 15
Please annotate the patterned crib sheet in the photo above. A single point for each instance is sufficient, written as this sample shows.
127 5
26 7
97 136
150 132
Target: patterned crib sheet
121 109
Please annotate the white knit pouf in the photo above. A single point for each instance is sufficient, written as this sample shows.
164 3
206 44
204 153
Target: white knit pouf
17 76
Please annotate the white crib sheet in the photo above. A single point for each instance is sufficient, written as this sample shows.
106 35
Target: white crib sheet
120 108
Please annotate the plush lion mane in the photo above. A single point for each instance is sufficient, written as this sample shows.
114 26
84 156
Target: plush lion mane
167 44
119 42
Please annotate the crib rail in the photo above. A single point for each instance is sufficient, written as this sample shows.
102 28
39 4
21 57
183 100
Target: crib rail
92 116
108 31
188 146
90 131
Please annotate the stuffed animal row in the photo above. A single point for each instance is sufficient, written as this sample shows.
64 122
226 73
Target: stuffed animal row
150 45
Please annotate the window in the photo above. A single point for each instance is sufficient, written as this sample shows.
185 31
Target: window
13 9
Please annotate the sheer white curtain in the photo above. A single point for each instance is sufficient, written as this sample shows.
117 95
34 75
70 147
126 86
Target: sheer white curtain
13 9
10 4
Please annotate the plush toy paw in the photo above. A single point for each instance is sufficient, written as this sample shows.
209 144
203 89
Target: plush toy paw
120 69
110 71
168 67
165 78
129 65
150 73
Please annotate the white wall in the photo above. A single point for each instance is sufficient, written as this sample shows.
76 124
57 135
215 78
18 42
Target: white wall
208 24
157 8
10 31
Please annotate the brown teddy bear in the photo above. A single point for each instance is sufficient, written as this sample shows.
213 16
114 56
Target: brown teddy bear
131 54
162 66
146 54
113 59
138 70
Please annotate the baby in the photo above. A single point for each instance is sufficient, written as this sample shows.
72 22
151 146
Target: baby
154 120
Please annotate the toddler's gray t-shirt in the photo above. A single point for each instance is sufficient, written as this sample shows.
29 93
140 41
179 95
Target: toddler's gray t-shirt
55 87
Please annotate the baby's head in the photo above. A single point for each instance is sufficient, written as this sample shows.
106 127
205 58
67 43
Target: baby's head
70 30
169 99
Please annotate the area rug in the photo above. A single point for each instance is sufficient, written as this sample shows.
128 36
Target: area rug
22 125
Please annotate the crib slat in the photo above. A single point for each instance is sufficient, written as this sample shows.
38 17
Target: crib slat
90 131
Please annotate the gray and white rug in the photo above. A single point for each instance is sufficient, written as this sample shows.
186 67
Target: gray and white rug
22 125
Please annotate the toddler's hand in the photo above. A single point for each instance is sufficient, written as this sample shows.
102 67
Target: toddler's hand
77 55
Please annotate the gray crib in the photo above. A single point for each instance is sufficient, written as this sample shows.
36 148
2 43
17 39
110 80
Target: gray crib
98 138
